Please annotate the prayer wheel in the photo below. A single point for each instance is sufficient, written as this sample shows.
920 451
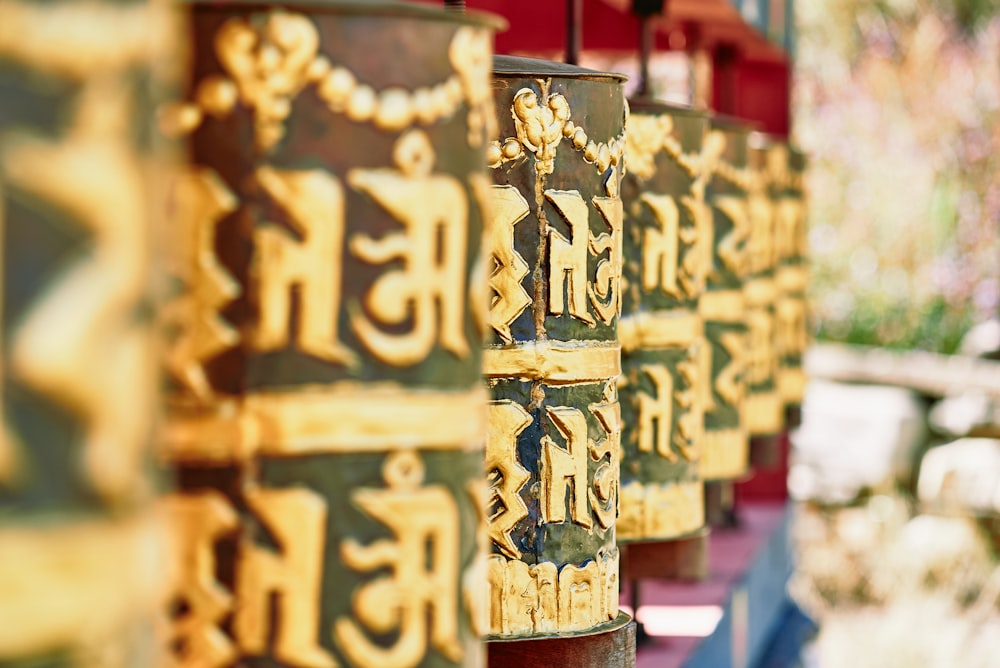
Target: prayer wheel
787 166
553 357
326 414
79 546
667 237
725 455
765 410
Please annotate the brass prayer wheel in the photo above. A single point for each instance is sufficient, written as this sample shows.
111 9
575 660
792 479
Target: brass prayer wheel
326 415
667 239
79 547
765 409
553 355
787 166
725 455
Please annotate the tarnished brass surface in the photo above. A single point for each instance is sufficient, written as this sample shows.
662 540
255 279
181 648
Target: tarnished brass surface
79 546
792 320
326 414
724 308
668 241
765 410
553 355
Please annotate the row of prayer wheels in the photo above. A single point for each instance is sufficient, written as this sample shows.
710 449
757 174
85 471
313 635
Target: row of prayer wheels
366 215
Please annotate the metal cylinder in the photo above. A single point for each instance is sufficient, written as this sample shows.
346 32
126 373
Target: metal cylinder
667 237
792 276
765 410
725 455
326 413
79 546
553 355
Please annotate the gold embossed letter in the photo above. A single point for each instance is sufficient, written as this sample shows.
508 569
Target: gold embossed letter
565 470
297 520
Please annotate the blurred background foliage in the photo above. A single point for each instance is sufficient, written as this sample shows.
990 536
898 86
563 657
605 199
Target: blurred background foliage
898 104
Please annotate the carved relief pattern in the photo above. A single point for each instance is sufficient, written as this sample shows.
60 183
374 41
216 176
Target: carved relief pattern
669 246
554 444
341 486
725 308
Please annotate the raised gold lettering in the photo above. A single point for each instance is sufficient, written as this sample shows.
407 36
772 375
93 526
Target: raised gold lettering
314 202
568 259
297 520
433 210
415 593
201 200
565 470
731 381
510 299
659 245
656 412
605 293
197 522
507 476
607 452
732 246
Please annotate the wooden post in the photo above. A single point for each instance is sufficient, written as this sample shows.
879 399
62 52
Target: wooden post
553 359
80 549
791 242
725 456
667 246
326 411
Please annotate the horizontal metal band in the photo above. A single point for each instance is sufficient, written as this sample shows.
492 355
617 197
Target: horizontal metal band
555 361
760 292
347 418
792 279
64 585
791 385
660 329
723 306
660 510
725 454
764 413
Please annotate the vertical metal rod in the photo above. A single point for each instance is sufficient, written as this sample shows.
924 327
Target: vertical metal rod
574 21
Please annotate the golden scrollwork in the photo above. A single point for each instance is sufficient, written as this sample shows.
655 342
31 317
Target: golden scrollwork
660 510
433 210
546 598
510 299
414 595
541 124
506 421
764 412
313 420
266 67
200 201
